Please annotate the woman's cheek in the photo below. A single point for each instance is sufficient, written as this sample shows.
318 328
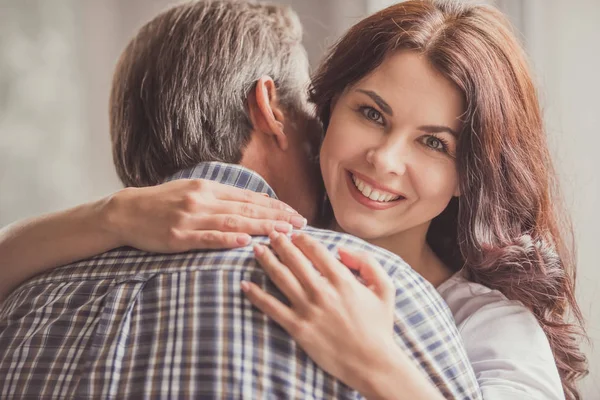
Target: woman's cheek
436 179
328 161
339 145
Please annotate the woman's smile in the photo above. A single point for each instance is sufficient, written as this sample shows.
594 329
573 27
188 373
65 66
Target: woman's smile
370 194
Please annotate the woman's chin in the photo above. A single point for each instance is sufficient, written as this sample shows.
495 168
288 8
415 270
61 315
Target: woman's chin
366 230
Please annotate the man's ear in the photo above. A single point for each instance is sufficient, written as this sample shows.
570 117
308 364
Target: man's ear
266 114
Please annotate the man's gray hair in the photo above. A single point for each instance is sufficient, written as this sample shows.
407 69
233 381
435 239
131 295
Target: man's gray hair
180 89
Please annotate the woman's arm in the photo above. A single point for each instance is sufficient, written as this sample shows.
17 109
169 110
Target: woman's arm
37 244
509 351
394 376
176 216
344 325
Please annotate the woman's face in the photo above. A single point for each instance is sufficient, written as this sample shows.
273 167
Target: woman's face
388 158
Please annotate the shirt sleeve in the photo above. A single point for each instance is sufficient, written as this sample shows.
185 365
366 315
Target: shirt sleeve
508 349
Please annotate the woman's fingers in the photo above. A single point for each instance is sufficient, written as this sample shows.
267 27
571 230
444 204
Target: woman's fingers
370 271
257 211
231 193
268 304
281 276
191 240
237 223
208 197
187 213
321 258
297 262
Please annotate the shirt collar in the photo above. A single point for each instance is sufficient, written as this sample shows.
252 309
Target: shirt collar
228 174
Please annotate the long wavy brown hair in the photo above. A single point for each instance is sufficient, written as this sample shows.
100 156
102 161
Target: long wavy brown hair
508 229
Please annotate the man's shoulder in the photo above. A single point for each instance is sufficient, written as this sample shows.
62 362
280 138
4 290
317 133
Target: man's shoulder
125 262
226 257
334 240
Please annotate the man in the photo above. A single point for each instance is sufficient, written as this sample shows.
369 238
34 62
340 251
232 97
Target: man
203 87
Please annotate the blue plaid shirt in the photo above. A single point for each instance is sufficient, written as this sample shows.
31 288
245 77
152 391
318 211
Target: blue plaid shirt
131 324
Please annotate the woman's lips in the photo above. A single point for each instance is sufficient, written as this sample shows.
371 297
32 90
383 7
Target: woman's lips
375 184
365 201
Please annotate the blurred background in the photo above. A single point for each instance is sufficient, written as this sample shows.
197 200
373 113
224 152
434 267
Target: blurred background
57 57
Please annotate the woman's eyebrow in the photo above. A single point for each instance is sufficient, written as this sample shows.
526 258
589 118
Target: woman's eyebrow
385 107
438 129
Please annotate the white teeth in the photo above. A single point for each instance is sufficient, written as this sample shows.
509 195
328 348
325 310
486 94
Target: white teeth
371 193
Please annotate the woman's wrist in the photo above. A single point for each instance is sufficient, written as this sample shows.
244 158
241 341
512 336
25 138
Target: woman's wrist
109 213
394 375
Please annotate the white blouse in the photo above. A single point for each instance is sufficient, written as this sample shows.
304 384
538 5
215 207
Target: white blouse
506 346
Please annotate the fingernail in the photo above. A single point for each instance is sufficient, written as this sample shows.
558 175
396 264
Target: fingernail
258 250
265 194
243 240
245 286
344 252
298 221
274 235
283 227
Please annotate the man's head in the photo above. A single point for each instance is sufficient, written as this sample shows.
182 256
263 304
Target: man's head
219 80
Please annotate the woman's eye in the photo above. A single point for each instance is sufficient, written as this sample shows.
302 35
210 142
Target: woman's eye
435 143
372 114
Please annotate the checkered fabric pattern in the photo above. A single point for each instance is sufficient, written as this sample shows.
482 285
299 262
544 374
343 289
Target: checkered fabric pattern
129 324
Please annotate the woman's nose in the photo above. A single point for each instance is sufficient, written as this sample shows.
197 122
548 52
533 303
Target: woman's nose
389 158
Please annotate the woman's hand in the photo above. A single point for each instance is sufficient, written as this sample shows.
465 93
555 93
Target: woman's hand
188 214
345 326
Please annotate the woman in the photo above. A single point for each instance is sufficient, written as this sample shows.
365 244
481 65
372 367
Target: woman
448 167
